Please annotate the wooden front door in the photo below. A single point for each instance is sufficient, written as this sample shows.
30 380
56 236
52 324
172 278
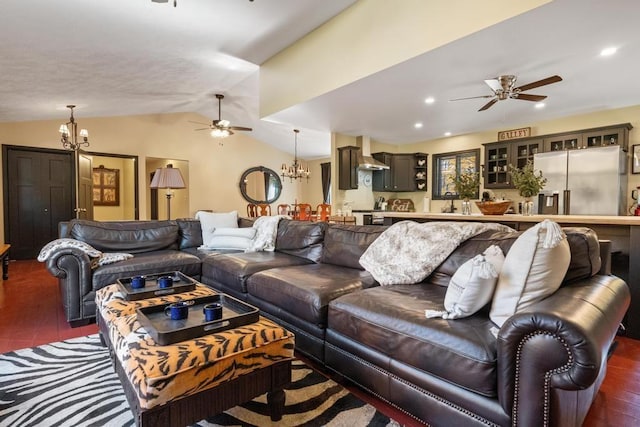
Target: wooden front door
38 194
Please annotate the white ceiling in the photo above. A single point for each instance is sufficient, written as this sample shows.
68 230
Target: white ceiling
124 57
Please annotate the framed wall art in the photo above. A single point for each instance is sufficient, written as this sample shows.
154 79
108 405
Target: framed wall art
635 159
106 186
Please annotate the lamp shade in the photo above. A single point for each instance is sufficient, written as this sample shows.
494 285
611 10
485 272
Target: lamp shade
168 177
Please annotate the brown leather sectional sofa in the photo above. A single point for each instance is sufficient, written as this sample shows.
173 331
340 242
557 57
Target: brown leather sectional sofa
544 367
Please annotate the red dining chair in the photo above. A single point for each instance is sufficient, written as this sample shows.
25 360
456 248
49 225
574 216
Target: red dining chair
264 209
323 212
252 210
302 212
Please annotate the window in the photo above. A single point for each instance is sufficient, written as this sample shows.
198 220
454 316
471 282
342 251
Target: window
447 165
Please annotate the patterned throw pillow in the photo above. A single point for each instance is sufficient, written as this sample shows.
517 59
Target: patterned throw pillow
51 247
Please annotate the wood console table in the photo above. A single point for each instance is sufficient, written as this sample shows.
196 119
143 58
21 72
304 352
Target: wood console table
623 231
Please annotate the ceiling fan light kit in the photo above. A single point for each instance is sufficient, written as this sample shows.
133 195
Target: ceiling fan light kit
221 128
503 88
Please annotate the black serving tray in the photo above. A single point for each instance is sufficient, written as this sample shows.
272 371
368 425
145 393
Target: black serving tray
165 331
181 283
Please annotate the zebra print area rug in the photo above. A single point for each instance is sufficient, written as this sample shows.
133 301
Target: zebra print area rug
72 383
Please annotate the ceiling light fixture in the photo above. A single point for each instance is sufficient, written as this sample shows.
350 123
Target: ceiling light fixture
447 134
540 105
418 125
430 100
296 170
608 51
69 132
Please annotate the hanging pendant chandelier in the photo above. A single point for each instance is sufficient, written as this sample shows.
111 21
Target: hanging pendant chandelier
296 170
69 134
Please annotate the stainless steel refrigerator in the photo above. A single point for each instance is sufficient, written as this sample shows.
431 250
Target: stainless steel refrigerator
595 177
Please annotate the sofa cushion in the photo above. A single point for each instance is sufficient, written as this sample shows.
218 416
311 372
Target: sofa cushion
301 238
533 269
345 244
147 263
306 290
390 320
233 269
126 236
190 233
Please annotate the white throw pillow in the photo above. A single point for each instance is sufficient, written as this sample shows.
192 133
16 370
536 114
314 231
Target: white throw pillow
230 238
533 269
210 221
472 285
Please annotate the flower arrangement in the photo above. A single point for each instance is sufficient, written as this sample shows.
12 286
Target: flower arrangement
466 184
526 180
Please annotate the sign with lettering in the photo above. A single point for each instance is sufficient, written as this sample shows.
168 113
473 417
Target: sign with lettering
514 134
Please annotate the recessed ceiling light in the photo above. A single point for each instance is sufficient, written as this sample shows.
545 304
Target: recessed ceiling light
418 125
430 100
447 134
540 105
608 51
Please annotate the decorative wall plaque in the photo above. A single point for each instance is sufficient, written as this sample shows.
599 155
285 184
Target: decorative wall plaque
106 186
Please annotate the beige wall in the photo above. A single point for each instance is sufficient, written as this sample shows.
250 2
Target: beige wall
214 170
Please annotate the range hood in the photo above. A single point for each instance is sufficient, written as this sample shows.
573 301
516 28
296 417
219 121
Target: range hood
365 161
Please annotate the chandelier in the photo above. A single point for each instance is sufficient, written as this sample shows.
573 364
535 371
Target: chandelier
69 132
296 170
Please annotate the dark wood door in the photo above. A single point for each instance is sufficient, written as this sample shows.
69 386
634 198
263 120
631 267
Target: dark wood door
38 191
85 187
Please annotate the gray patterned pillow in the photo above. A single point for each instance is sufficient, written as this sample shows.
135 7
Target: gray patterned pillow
111 257
51 247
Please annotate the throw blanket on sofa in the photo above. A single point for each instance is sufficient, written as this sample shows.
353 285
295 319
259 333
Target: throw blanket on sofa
407 252
266 232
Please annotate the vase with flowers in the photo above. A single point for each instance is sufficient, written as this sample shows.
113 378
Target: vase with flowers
466 185
528 183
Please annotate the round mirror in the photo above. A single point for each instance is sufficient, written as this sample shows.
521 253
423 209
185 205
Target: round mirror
260 185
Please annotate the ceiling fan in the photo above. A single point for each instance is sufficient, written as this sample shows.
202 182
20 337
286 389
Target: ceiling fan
221 128
503 88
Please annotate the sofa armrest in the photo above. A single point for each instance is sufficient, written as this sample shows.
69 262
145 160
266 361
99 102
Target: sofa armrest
560 342
73 269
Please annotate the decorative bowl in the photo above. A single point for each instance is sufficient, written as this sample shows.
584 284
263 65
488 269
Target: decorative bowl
494 208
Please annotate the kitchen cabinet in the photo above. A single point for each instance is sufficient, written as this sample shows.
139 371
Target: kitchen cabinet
497 159
407 172
348 167
499 155
589 138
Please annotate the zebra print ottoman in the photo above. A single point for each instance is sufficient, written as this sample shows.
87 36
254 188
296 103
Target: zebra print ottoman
181 383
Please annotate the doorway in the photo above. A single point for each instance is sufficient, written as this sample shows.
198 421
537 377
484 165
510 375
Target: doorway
38 194
124 207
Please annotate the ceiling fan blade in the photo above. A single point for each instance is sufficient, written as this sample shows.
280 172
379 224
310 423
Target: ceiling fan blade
198 123
240 128
488 104
527 97
473 97
204 128
547 81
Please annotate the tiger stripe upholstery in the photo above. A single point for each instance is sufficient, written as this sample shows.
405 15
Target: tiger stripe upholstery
159 374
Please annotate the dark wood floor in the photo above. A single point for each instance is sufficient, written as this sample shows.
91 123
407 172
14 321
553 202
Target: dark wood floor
31 314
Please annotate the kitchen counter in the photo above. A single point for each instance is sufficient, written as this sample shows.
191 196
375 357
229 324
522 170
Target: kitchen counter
622 231
560 219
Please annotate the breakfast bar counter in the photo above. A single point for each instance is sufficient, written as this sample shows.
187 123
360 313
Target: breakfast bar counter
622 231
